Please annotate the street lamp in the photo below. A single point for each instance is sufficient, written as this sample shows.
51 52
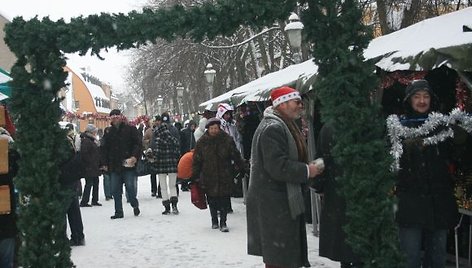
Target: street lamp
180 96
210 74
159 103
294 32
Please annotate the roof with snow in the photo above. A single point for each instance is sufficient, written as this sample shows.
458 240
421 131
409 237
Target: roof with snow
259 89
95 91
426 45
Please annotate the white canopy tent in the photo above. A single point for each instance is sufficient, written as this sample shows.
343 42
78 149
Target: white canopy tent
259 89
426 45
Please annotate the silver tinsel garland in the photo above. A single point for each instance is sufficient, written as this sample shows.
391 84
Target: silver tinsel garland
397 132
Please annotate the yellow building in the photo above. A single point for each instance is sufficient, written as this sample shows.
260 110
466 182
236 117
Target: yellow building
90 103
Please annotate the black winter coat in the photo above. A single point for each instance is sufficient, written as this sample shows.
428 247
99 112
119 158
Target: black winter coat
332 243
187 140
425 189
118 144
212 164
90 154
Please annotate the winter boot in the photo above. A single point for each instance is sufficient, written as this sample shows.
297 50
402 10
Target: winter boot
214 218
173 201
223 226
166 204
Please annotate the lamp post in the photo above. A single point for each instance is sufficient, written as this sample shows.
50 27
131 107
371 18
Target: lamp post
159 103
210 74
180 96
294 32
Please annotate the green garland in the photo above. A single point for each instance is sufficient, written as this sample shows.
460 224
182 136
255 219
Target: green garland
344 87
38 75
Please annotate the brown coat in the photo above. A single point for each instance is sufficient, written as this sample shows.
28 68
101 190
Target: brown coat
212 164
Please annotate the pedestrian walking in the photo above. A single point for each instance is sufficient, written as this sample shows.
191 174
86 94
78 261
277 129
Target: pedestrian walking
215 158
167 153
90 154
120 151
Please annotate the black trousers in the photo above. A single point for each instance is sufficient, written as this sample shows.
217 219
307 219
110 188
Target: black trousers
91 184
75 220
153 183
221 205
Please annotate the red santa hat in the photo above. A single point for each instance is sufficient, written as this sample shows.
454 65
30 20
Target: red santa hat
283 94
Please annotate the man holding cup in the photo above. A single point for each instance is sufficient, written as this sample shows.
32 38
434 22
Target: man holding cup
279 169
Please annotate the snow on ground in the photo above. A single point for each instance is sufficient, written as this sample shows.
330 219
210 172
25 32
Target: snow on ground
167 241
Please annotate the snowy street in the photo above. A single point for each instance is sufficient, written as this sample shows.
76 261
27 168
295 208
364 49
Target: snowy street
165 241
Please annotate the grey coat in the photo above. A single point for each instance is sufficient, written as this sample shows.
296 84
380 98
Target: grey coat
272 232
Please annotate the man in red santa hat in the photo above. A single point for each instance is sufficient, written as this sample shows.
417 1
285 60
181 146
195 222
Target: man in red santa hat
279 168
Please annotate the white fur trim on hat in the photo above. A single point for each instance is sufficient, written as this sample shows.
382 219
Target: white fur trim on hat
286 97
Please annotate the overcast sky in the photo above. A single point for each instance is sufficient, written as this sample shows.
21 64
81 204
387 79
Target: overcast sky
113 69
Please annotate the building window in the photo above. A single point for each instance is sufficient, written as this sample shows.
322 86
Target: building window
77 104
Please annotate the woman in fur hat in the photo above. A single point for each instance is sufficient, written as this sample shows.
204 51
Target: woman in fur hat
212 167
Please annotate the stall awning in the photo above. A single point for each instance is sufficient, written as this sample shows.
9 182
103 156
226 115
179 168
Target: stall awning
259 89
426 45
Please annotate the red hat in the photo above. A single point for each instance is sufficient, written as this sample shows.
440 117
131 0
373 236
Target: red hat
283 94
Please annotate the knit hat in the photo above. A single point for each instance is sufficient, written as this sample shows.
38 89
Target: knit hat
283 94
91 128
212 121
415 86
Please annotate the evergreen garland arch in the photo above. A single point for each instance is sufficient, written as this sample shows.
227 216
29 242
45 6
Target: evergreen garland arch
345 83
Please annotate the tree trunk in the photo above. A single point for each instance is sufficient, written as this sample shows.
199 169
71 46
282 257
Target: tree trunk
382 13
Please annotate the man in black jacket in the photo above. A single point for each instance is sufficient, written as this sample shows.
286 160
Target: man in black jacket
121 148
426 204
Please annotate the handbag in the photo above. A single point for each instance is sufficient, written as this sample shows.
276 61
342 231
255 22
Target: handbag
197 196
143 167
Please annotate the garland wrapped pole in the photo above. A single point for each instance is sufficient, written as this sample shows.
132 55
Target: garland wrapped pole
344 86
38 75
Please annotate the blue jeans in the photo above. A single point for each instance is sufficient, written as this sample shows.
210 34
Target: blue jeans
434 242
107 185
129 178
7 252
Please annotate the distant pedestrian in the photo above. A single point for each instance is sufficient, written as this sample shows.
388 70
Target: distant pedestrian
167 153
90 154
120 151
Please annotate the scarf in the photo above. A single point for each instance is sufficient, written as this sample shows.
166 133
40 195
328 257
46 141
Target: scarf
296 202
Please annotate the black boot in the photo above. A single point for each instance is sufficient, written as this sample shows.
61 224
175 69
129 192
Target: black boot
166 204
223 226
173 201
214 218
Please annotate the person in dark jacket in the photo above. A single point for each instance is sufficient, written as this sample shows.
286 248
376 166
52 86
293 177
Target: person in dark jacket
332 242
70 175
279 171
120 151
8 229
212 167
187 143
426 204
90 154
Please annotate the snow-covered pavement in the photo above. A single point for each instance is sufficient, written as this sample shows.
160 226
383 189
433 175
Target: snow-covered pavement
165 241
